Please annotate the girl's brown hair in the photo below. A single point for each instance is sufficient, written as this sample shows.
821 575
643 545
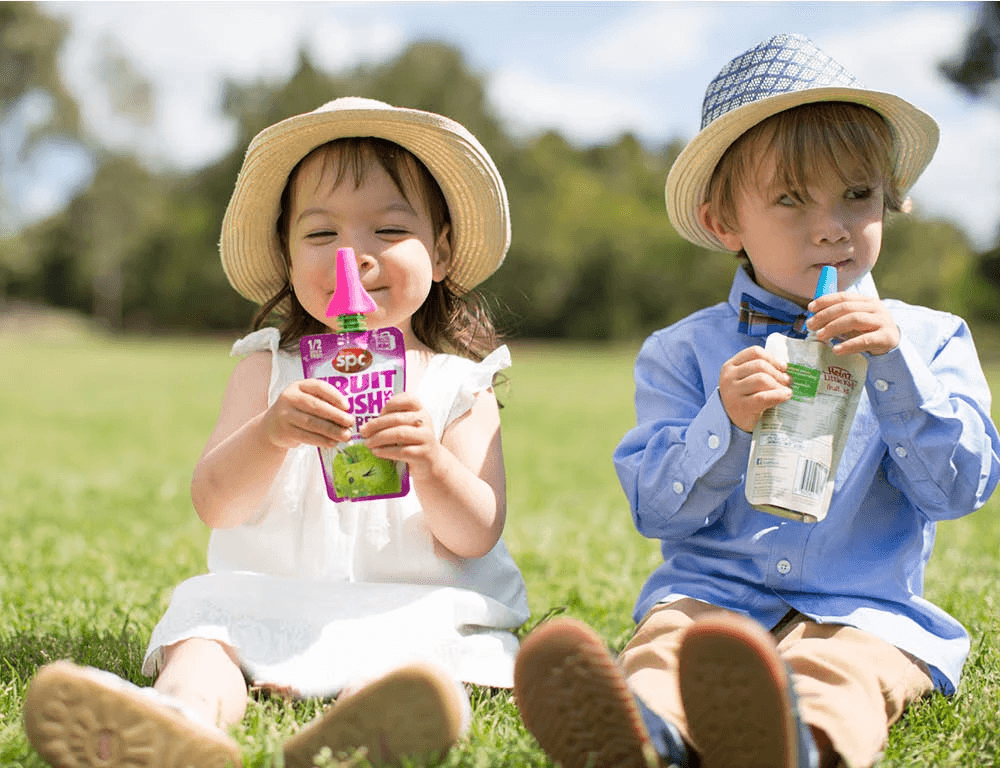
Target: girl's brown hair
807 141
447 321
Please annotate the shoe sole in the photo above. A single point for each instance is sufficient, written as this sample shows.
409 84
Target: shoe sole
736 695
575 701
76 721
412 712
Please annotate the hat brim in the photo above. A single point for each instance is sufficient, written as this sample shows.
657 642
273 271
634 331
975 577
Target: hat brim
473 189
915 138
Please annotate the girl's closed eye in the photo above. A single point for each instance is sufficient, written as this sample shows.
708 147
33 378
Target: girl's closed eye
321 234
393 230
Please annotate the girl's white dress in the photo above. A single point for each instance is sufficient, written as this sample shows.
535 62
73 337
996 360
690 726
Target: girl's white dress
319 595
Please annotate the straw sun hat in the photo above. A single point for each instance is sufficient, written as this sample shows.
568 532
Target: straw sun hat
472 187
783 72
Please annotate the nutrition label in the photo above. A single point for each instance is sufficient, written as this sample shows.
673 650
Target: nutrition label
796 445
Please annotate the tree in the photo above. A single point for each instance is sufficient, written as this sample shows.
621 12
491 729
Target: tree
593 255
976 71
30 43
979 64
113 204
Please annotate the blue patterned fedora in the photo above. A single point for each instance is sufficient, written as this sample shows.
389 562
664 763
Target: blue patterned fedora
781 73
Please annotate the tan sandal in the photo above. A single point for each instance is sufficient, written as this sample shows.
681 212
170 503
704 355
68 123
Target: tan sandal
738 697
574 699
412 712
81 717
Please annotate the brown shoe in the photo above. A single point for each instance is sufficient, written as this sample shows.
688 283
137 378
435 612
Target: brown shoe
576 702
738 697
413 712
80 717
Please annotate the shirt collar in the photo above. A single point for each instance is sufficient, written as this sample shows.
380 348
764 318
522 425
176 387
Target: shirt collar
865 286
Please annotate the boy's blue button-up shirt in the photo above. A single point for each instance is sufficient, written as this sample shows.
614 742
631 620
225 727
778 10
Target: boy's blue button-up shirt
922 448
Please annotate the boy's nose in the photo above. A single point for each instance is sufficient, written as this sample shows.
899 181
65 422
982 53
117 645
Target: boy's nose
831 228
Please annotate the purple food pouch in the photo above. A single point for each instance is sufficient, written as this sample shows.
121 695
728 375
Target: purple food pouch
368 367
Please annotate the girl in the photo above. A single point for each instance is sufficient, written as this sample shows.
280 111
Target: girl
398 599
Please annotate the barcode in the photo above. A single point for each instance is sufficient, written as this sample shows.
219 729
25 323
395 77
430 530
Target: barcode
810 477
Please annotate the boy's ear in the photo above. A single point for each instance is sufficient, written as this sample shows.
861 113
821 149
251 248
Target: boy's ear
441 258
731 240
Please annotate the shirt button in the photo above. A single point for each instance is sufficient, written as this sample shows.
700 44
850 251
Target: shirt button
900 451
713 441
784 567
678 487
881 385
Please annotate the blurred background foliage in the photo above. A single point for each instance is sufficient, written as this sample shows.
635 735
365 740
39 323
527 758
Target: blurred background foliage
593 255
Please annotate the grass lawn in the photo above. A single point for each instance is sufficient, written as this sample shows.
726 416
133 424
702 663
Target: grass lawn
99 438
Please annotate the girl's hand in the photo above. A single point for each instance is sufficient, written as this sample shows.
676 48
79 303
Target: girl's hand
750 382
310 411
403 431
459 479
863 322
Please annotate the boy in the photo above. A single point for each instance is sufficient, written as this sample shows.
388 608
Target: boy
764 641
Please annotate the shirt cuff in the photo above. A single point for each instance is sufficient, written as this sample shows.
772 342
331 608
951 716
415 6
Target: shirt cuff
899 381
716 446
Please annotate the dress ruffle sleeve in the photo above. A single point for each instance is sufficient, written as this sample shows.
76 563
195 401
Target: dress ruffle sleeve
269 340
258 341
478 378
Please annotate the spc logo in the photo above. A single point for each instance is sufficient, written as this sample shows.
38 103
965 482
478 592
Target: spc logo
352 360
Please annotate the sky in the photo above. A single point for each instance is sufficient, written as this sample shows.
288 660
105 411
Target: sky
589 70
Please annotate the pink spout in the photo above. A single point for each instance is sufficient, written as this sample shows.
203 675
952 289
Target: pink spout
350 297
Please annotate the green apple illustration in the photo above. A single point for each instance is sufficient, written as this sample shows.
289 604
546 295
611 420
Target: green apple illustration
357 473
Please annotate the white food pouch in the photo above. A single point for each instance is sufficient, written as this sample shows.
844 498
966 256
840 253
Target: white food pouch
796 445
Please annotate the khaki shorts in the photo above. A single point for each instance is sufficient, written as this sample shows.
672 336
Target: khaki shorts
850 684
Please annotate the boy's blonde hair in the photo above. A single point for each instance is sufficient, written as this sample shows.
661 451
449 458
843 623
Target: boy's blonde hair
807 141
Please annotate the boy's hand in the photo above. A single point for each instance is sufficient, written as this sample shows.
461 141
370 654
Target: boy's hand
750 382
309 411
862 322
